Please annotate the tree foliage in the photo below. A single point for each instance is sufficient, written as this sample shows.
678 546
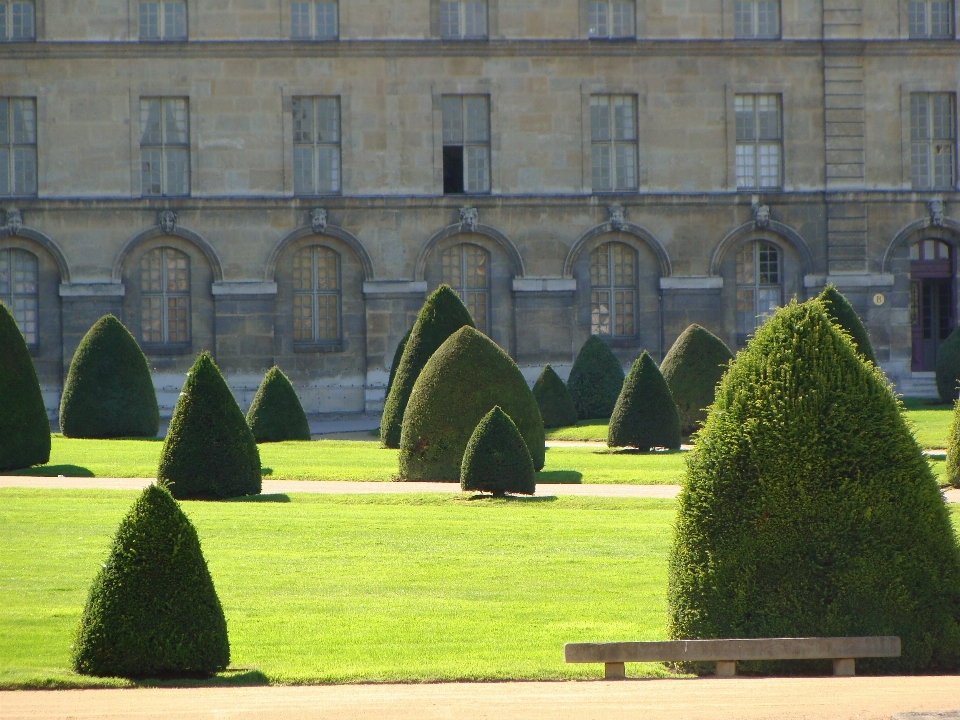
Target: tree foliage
24 427
843 314
595 380
948 367
553 399
645 416
692 368
496 459
276 413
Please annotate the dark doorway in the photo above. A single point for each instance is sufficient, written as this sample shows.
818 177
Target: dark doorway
932 300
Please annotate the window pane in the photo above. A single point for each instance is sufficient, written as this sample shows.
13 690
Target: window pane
22 26
623 125
328 169
476 129
626 167
597 19
450 260
477 179
302 270
940 19
176 271
768 264
767 301
175 123
177 310
302 120
303 317
24 122
919 117
174 20
623 312
24 171
452 119
3 21
746 312
149 21
151 172
599 118
327 316
742 19
622 20
449 19
768 20
150 122
769 165
151 278
943 125
743 107
327 276
5 262
600 168
920 165
474 19
299 21
745 264
328 120
475 262
600 266
4 171
768 117
303 171
943 165
623 262
917 12
151 318
327 20
178 171
600 312
745 172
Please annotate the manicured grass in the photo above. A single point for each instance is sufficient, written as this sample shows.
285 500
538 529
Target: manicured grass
359 588
583 431
931 423
350 460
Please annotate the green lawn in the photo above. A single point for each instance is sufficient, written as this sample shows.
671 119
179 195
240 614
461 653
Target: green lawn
351 460
359 588
583 431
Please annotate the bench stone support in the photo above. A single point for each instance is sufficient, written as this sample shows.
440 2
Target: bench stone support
844 667
726 668
614 671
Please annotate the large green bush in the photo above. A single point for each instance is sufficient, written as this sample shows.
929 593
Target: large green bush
276 413
808 509
692 368
24 427
948 367
496 459
466 377
595 380
152 609
209 451
953 448
645 416
397 355
108 391
553 399
442 314
843 314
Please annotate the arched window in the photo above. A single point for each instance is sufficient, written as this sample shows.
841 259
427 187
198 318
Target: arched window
613 290
316 296
165 297
932 303
18 290
759 289
466 270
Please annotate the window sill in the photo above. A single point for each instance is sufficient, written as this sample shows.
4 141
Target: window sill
167 348
308 348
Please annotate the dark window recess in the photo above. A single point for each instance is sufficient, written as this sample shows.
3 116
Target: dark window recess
453 170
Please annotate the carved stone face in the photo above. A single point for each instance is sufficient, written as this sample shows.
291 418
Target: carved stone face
168 221
469 218
318 220
617 216
14 222
761 216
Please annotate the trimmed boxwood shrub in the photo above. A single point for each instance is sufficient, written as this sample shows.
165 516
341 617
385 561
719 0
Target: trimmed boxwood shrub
466 377
808 509
276 413
692 368
842 313
209 451
108 391
553 399
948 367
152 609
496 459
645 416
24 427
442 314
953 448
595 380
396 360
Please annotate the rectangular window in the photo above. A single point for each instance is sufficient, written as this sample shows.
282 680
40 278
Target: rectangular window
163 20
164 146
463 19
316 145
930 18
759 143
466 144
314 21
932 140
613 143
756 19
17 21
610 19
18 147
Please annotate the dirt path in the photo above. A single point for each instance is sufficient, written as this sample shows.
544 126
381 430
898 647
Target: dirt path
864 698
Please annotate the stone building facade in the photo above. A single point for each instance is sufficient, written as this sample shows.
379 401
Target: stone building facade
282 182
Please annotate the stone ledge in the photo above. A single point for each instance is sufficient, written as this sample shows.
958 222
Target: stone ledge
544 284
244 287
691 282
92 289
849 280
394 287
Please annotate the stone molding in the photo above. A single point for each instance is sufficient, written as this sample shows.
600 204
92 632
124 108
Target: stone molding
92 289
28 233
617 225
459 228
320 228
773 230
394 287
849 280
243 287
164 220
544 285
691 282
940 226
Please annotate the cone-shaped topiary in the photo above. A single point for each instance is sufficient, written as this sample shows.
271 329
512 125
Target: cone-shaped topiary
152 609
466 377
108 391
396 360
209 450
24 427
692 369
553 399
953 448
276 413
948 367
496 459
645 416
595 380
442 314
808 509
843 314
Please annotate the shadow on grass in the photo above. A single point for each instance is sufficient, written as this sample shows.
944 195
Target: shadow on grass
560 477
229 677
262 498
634 451
910 403
52 471
264 471
513 498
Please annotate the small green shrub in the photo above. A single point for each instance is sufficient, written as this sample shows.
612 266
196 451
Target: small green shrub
645 416
108 391
276 413
397 355
809 510
496 459
953 448
442 314
948 367
466 378
152 609
209 451
692 368
595 380
24 427
843 314
553 399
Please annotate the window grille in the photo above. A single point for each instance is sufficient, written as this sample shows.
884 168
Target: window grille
165 297
613 143
466 144
759 142
316 145
759 289
164 146
929 19
610 19
19 290
613 290
463 19
932 140
316 295
18 147
17 21
314 21
164 20
756 19
466 271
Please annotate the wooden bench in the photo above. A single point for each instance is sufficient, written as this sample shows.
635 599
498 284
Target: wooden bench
842 650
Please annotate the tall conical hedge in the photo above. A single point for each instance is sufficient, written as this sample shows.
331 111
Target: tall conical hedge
953 448
645 416
397 355
276 413
843 314
496 459
595 380
466 377
108 391
553 399
442 314
152 609
692 368
209 451
24 427
808 509
948 368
